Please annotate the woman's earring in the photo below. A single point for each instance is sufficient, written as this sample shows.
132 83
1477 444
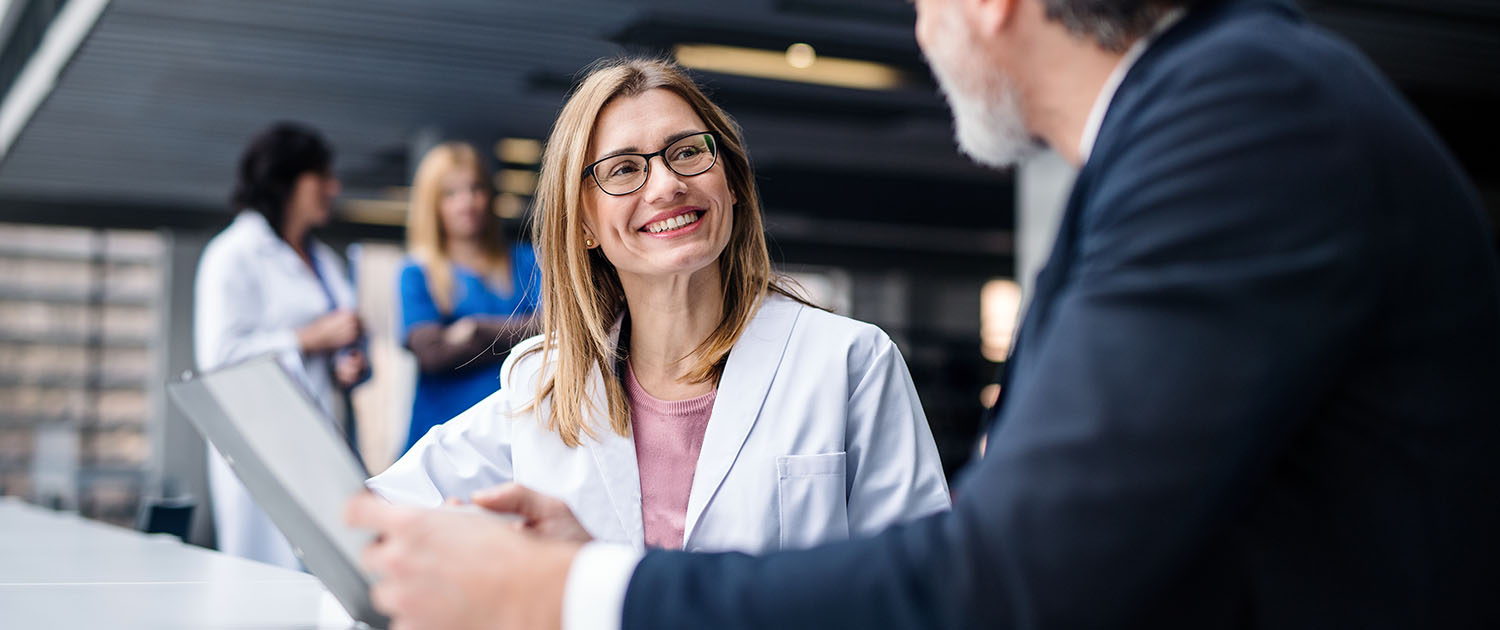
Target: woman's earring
588 242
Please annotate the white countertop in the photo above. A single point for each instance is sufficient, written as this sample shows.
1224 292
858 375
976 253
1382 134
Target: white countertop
59 570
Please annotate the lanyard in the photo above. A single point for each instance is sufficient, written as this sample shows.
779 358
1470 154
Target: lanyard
312 255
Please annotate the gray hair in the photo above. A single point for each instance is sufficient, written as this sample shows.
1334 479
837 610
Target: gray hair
1112 24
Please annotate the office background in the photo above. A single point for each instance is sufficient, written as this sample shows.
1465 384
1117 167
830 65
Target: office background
121 121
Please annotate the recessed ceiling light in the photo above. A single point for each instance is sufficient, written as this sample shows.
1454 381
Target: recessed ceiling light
801 56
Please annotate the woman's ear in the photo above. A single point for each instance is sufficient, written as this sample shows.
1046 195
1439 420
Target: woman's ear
589 242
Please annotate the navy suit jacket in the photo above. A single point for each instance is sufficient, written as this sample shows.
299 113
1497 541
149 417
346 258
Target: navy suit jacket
1258 385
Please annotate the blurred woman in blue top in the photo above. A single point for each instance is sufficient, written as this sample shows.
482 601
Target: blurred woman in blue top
467 291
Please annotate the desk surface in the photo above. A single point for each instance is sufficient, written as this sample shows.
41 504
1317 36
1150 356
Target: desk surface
60 570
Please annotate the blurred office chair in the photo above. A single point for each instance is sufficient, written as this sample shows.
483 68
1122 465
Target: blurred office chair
54 466
171 513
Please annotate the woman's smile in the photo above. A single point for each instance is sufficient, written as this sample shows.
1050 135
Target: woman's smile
675 223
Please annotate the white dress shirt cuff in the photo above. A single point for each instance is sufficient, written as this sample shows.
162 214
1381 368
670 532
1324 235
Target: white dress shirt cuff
594 595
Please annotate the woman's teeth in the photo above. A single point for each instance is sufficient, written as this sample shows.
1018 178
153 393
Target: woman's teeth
674 222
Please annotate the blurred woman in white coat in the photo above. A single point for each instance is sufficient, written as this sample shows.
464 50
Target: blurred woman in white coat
679 395
264 285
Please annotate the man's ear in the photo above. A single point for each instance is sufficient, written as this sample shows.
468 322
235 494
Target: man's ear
989 18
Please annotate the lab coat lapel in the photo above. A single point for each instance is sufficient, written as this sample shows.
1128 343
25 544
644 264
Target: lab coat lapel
276 253
748 373
615 456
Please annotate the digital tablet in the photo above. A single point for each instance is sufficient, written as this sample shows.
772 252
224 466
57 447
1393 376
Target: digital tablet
293 462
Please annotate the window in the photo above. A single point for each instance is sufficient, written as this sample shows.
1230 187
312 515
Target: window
78 319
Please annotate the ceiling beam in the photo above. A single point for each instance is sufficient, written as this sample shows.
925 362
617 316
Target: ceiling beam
64 35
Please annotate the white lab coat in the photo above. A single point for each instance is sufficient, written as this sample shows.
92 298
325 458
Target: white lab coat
816 434
251 294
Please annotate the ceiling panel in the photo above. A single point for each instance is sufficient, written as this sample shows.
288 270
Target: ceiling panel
159 100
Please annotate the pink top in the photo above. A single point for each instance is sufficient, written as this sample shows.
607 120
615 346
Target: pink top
668 437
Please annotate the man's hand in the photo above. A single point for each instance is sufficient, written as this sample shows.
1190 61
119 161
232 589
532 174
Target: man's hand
440 569
544 516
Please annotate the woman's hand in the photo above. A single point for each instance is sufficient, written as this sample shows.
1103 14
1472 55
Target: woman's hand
475 340
329 332
544 516
461 332
349 367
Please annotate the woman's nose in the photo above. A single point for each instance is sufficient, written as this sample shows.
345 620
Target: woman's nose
662 183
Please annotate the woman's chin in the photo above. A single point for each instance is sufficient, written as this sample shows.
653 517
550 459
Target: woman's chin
681 263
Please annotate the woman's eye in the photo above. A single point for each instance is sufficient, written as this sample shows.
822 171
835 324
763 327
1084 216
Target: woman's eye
686 153
622 170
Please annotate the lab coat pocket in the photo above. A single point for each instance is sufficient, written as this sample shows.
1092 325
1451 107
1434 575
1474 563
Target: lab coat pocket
813 503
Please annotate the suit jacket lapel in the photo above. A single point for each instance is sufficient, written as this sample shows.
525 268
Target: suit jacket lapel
1048 280
748 373
615 456
1127 99
1051 277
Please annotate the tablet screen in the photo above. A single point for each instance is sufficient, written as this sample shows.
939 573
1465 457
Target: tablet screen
292 461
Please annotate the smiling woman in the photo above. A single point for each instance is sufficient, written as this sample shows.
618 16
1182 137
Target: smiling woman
680 394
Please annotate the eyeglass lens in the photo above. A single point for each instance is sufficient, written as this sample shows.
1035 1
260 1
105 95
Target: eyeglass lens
687 157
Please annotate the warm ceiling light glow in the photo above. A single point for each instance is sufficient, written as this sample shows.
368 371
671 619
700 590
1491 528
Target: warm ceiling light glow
801 55
989 395
999 306
516 182
767 64
509 206
519 150
373 211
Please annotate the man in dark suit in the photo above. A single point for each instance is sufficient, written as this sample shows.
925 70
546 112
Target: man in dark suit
1258 385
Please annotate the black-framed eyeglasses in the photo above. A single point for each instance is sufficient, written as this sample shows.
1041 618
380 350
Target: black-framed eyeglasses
625 173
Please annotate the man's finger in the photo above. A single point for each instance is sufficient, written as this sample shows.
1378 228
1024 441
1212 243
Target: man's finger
367 511
383 596
370 561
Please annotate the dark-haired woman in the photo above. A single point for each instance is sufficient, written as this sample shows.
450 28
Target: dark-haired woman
265 286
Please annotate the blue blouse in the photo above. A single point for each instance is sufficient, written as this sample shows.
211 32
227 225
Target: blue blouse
442 396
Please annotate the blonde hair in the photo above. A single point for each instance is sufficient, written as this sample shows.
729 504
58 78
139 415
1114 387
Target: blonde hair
427 240
581 292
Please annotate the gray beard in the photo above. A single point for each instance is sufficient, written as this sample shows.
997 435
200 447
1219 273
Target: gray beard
989 126
992 131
